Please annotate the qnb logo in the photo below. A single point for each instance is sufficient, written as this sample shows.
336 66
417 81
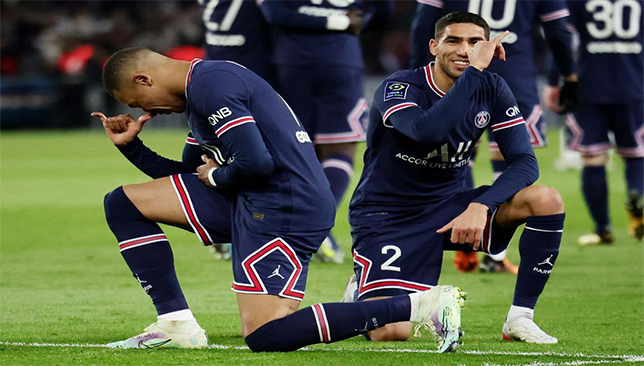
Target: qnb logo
482 119
512 111
302 137
219 115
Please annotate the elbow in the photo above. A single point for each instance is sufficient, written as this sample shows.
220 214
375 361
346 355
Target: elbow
260 169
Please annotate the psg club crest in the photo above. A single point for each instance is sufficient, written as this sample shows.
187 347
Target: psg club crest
482 119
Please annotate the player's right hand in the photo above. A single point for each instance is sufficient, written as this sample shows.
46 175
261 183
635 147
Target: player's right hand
122 129
356 21
482 53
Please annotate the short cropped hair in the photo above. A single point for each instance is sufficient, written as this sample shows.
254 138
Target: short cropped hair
117 64
460 17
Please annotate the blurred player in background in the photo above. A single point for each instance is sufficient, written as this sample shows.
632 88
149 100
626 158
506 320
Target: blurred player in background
320 74
412 201
260 187
611 79
520 71
237 31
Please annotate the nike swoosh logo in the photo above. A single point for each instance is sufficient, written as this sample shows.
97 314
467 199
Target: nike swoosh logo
153 343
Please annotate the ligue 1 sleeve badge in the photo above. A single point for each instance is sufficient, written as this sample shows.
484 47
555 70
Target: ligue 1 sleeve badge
482 119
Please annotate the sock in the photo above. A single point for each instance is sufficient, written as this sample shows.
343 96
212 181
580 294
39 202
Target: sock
635 175
326 323
595 191
500 256
519 312
338 169
538 247
146 251
498 167
180 315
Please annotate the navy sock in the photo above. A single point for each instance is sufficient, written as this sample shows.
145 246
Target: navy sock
539 247
595 191
498 167
326 323
146 251
635 175
338 169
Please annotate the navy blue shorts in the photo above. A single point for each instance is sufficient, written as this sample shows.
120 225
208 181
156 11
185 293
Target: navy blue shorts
590 126
328 100
264 261
395 254
532 114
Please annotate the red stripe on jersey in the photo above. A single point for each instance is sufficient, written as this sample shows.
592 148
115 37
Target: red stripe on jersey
191 141
232 124
429 77
192 65
555 15
435 3
508 124
396 108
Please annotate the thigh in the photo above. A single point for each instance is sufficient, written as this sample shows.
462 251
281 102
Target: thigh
340 106
157 201
628 127
589 126
396 257
207 211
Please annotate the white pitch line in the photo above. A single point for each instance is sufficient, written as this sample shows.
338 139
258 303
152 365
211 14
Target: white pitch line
600 358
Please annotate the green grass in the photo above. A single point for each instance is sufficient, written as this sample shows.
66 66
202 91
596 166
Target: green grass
62 279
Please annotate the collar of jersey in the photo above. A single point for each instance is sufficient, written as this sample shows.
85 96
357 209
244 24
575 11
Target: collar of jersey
429 77
189 75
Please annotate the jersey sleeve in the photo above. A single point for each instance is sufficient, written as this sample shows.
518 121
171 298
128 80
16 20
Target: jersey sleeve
554 17
152 164
431 125
514 143
224 101
191 156
422 30
281 13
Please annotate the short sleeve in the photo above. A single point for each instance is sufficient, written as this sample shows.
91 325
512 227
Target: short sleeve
393 96
223 99
506 113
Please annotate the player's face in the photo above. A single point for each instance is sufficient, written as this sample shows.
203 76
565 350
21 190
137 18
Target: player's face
150 98
453 48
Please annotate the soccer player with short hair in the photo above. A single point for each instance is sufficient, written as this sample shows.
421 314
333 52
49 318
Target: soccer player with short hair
611 95
520 18
412 203
259 187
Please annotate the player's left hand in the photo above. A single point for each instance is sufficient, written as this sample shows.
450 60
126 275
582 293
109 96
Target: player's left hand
356 21
551 98
204 170
468 227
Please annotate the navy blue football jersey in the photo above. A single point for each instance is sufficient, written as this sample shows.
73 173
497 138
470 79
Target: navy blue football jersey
402 172
519 17
302 36
236 30
241 121
611 62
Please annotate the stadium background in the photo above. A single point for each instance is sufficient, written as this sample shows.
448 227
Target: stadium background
62 280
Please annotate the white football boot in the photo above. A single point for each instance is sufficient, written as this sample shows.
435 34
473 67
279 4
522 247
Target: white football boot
167 334
439 310
524 329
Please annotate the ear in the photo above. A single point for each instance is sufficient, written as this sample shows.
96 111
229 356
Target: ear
142 79
433 46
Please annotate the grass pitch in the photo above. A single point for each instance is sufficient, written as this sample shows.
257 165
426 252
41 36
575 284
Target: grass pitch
65 290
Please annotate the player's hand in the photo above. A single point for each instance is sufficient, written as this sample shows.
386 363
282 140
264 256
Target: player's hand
551 98
356 21
482 53
204 170
122 129
468 227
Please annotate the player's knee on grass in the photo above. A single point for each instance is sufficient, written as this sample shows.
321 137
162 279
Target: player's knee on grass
395 332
